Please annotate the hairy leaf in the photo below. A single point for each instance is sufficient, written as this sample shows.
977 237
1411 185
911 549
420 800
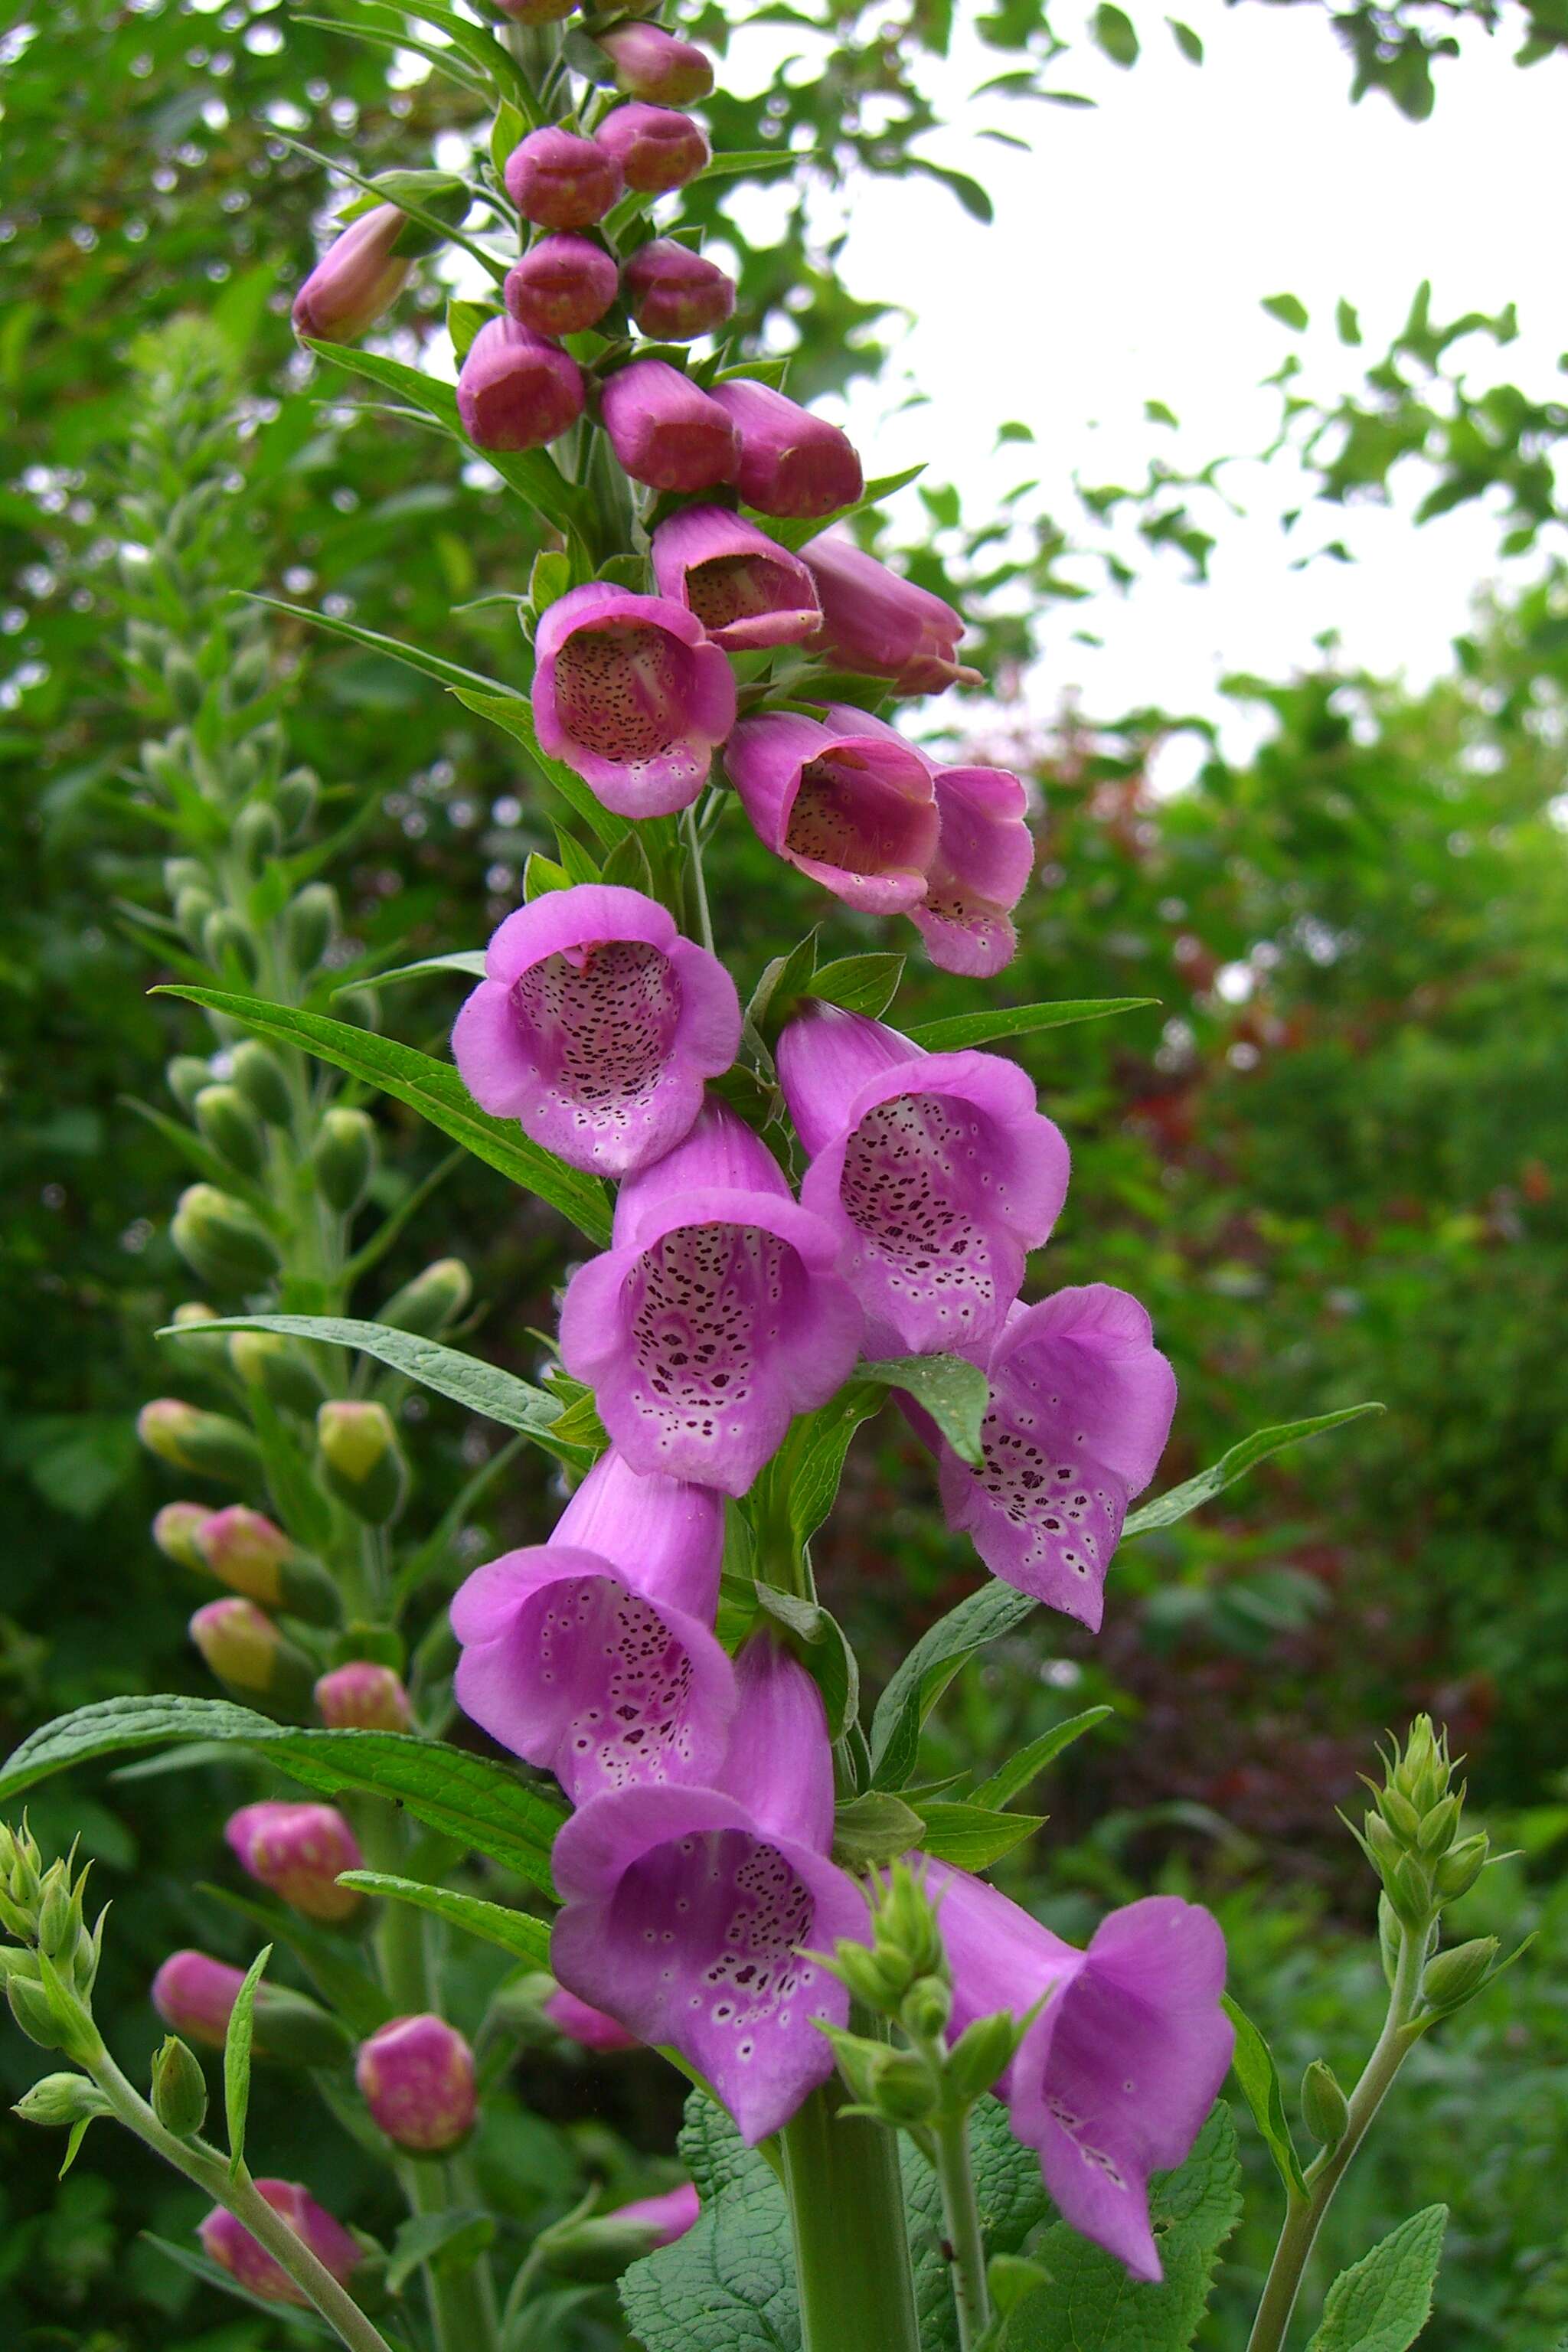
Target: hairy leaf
236 2059
954 1392
1254 2068
1383 2302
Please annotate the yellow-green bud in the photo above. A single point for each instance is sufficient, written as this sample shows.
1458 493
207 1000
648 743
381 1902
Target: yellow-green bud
183 681
1401 1815
310 924
867 1980
227 937
1410 1892
265 1360
1452 1977
903 2088
57 1930
187 1075
926 2008
361 1458
1386 1849
61 2100
295 798
223 1240
204 1349
37 2012
225 1121
192 907
248 1655
344 1159
431 1301
1460 1867
259 1074
980 2053
1325 2110
207 1442
174 1533
179 2089
258 834
1438 1830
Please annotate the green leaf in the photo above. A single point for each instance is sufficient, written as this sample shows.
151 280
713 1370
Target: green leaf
929 1666
518 1932
1289 312
959 1030
343 1984
1383 2302
434 666
236 2059
432 1088
972 1836
825 1654
470 960
514 715
802 1479
1091 2302
301 2324
795 534
1167 1508
448 2242
970 193
1252 2064
480 1804
1347 325
1186 40
874 1829
861 984
955 1393
1020 1769
1114 33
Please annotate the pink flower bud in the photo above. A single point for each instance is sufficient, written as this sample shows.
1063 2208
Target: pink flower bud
656 148
555 177
193 1993
874 621
228 2243
416 2076
356 279
297 1852
666 430
562 284
514 390
673 294
667 2217
653 64
362 1696
591 2028
792 463
245 1550
174 1532
238 1642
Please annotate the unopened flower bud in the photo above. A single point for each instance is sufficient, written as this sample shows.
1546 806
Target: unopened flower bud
904 1926
243 1647
196 1344
222 1241
657 148
563 284
579 2021
790 463
562 181
258 836
1421 1768
295 799
225 1121
597 2248
1387 1850
227 938
296 1850
361 1458
515 390
666 431
1410 1891
179 2089
358 278
673 294
926 2008
982 2052
196 1995
1400 1814
259 1074
228 2243
247 1552
287 1374
174 1533
207 1442
61 2100
1452 1977
1460 1867
431 1301
311 923
187 1075
902 2089
1324 2108
868 1980
193 906
362 1697
56 1926
1436 1832
183 680
38 2011
361 1007
344 1159
415 2075
652 63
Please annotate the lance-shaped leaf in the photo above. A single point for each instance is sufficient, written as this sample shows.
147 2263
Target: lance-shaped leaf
958 1030
236 2059
514 715
1383 2302
1252 2063
1191 1496
971 1836
952 1390
517 1932
1020 1769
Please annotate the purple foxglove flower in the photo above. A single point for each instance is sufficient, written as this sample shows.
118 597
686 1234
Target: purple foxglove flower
562 284
230 2244
297 1852
357 277
1080 1408
194 1994
936 1170
653 64
362 1697
874 621
744 588
1115 2077
790 463
673 294
715 1315
665 2218
629 692
597 1027
590 2028
415 2074
592 1655
666 431
656 148
685 1909
561 181
856 813
515 391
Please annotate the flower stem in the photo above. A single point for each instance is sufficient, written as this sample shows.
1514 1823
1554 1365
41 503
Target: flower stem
971 2294
847 2211
1304 2215
697 879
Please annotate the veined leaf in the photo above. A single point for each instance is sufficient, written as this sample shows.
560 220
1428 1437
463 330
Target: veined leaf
971 1836
236 2059
860 984
1383 2302
1020 1769
959 1030
953 1391
1165 1509
1253 2066
517 1932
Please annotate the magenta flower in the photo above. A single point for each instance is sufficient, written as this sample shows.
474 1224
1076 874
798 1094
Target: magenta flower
194 1994
1115 2077
362 1697
415 2074
790 463
653 64
1080 1408
666 431
687 1910
591 1655
874 621
716 1314
590 2028
359 276
297 1852
744 588
673 294
597 1027
665 2218
936 1170
561 181
857 813
629 692
656 148
515 391
562 284
230 2244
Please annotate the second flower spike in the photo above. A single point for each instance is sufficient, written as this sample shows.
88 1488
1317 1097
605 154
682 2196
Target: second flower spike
629 692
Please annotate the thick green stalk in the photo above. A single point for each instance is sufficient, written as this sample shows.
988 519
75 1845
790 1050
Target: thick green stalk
847 2211
961 2214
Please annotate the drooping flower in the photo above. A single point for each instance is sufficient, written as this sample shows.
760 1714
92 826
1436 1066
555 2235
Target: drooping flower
874 621
743 587
936 1170
562 284
652 63
857 813
597 1027
665 2217
415 2074
1080 1408
515 390
687 1910
1115 2077
229 2243
562 181
592 2029
296 1851
629 692
673 294
357 279
790 463
657 148
666 431
592 1655
360 1695
715 1315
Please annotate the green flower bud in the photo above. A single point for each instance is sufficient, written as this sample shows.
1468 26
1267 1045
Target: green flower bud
221 1240
244 1649
248 673
1460 1867
61 2100
197 1347
258 836
1410 1892
1438 1830
37 2012
1453 1977
905 1929
903 2089
179 2089
1390 1937
296 2031
1401 1815
191 908
1325 2110
184 874
361 1006
980 2053
207 1442
431 1301
295 799
174 1533
866 1979
259 1074
183 681
361 1459
225 1121
227 938
311 924
265 1360
57 1930
187 1075
1421 1768
926 2008
344 1159
1386 1849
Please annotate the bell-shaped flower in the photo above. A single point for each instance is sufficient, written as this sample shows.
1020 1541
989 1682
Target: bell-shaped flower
790 463
666 431
674 294
359 275
562 181
936 1170
592 1655
744 588
562 284
857 813
688 1911
657 148
1115 2077
1080 1408
515 390
874 621
716 1314
629 692
229 2243
597 1027
652 63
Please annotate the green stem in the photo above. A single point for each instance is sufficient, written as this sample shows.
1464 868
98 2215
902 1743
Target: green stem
1304 2215
699 880
971 2294
847 2211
